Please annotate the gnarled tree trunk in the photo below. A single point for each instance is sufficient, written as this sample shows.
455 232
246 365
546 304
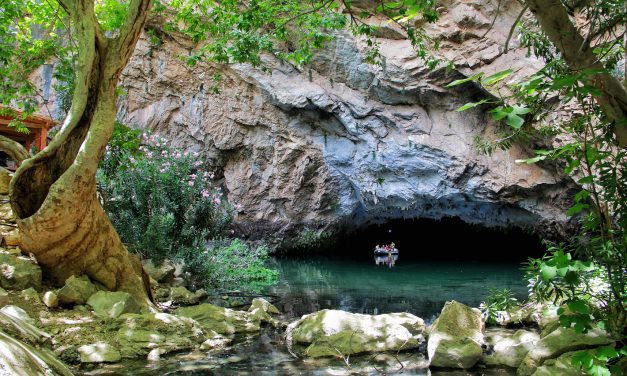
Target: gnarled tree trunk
53 194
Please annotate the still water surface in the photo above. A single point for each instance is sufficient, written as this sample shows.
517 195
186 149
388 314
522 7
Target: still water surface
356 284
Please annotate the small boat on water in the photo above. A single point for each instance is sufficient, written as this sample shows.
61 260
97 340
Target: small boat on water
384 251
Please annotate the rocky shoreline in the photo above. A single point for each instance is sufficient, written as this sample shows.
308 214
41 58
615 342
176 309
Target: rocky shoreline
67 330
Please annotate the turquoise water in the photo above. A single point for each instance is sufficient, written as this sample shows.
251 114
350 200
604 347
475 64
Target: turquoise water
355 284
360 285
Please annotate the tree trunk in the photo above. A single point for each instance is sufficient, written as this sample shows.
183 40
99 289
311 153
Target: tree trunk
14 149
554 20
53 194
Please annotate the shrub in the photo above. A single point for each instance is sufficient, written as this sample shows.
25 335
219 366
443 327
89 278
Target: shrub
498 301
159 199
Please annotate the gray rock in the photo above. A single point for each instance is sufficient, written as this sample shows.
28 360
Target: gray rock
76 291
50 299
99 353
456 337
112 304
16 322
4 297
558 342
508 347
21 359
163 273
263 310
19 273
219 319
560 366
141 333
330 332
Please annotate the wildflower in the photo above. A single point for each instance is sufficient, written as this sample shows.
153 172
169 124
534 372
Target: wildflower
190 183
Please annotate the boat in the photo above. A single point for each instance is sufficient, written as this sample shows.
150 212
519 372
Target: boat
381 251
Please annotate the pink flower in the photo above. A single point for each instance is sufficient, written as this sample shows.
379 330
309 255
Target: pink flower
216 201
190 183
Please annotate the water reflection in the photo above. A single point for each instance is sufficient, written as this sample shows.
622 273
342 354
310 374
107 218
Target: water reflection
389 260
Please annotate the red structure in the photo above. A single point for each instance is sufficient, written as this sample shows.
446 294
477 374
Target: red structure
37 125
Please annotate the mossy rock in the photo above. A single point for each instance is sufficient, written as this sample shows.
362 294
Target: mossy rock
221 320
19 273
108 304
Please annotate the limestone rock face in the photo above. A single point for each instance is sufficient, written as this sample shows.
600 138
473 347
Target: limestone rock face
112 304
340 333
456 337
76 290
343 143
558 342
19 273
219 319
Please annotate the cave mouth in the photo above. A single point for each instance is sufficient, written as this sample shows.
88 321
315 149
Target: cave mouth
447 239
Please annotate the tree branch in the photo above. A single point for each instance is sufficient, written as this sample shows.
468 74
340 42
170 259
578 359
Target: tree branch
123 45
556 24
14 149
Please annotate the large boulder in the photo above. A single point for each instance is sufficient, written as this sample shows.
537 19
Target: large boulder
182 296
141 333
21 359
456 337
113 304
560 366
76 291
508 348
558 342
19 273
220 319
334 332
263 310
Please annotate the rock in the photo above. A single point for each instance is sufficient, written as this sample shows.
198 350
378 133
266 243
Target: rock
558 342
182 296
334 332
456 337
264 305
21 359
4 297
214 341
561 366
19 273
163 273
113 304
321 126
219 319
154 355
141 333
30 295
76 291
508 348
50 299
16 322
99 353
5 180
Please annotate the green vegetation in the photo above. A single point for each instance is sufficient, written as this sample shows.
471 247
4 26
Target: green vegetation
164 204
496 302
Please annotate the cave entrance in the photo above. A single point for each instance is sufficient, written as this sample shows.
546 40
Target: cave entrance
443 240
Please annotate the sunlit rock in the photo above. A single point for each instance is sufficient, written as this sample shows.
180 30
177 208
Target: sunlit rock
50 299
508 348
21 359
182 296
220 319
456 337
339 333
558 342
99 353
112 304
19 273
560 366
162 273
141 333
16 322
30 295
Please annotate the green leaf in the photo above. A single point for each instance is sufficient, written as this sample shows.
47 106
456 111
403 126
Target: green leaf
470 105
586 180
548 272
515 121
532 160
491 80
606 353
464 80
599 370
578 306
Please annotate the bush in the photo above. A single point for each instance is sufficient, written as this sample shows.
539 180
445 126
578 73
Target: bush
158 199
497 302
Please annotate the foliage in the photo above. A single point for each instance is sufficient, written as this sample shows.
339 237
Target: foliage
234 264
159 199
601 361
497 302
307 240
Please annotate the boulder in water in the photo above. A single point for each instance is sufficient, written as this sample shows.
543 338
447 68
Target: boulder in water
456 337
508 347
339 333
220 319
